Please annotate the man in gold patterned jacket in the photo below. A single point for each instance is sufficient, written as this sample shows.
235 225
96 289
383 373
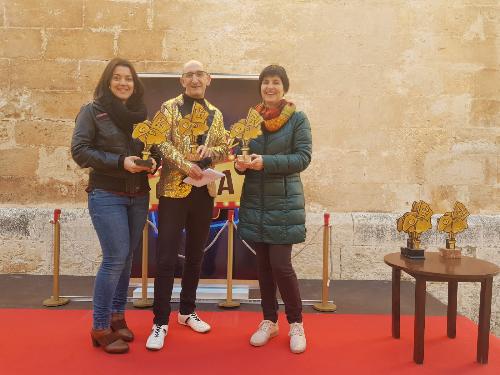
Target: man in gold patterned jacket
183 206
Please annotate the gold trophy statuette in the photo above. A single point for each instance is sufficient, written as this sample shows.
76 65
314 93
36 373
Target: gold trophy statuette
415 222
246 130
150 133
194 125
453 223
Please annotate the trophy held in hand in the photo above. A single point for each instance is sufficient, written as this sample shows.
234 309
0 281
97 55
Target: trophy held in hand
415 222
453 223
245 130
194 125
150 133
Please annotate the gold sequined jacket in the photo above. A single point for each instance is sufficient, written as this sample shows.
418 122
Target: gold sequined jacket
174 150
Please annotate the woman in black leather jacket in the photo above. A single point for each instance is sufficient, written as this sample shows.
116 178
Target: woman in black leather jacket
118 192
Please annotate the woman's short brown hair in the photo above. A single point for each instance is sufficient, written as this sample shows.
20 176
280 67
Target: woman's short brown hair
102 89
275 70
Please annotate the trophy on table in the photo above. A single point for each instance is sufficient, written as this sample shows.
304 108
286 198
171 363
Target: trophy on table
246 130
452 223
194 125
415 222
150 133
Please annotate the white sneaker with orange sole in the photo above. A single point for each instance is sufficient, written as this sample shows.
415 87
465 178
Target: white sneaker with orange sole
297 338
267 330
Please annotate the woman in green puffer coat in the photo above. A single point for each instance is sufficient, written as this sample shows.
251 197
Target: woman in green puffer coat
272 214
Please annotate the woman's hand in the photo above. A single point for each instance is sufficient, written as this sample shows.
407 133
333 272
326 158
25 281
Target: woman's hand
153 168
240 165
129 165
257 163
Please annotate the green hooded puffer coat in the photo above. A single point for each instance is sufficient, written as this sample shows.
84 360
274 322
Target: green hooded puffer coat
272 200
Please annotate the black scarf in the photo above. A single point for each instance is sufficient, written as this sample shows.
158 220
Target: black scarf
124 115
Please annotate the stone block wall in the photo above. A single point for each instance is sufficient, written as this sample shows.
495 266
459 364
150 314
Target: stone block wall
403 96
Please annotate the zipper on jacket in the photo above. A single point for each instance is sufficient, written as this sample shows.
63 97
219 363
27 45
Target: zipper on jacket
262 190
132 178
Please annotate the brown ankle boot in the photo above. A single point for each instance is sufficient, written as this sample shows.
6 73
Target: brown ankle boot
119 325
110 341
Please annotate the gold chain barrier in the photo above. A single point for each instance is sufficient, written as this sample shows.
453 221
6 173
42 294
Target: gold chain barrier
325 305
55 300
229 303
144 301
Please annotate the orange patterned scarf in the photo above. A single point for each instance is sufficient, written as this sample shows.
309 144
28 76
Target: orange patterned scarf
275 118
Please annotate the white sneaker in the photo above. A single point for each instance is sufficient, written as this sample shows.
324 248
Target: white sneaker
267 329
192 320
157 337
297 338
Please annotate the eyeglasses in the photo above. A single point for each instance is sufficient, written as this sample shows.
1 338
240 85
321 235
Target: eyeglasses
198 74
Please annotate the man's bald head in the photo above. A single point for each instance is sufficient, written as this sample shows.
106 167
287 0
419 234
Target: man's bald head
192 65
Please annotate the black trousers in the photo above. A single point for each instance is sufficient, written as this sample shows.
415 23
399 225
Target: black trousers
193 213
274 265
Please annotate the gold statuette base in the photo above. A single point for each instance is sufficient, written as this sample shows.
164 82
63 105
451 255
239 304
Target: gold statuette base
450 253
244 158
53 302
229 304
144 163
325 307
413 253
142 303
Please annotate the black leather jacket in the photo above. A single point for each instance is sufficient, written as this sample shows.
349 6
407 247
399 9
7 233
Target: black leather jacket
100 145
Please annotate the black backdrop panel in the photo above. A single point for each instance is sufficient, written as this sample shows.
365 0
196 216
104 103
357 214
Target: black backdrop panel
233 95
214 262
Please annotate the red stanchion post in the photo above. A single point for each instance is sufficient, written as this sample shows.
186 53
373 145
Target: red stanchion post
229 303
55 300
325 305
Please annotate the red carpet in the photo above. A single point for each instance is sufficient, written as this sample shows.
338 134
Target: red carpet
58 342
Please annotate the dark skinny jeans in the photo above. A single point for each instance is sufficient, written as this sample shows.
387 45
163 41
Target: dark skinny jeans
194 213
274 265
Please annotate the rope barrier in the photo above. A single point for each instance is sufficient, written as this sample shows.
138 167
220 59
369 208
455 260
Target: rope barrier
245 243
308 243
325 305
216 236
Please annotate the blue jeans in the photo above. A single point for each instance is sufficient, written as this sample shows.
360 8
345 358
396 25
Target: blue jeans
118 221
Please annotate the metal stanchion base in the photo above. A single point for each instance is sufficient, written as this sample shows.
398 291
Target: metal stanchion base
142 303
53 302
325 307
229 304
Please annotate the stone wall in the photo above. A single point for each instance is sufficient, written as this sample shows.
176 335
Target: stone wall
403 98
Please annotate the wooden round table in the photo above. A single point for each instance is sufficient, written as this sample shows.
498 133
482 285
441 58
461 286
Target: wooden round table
437 268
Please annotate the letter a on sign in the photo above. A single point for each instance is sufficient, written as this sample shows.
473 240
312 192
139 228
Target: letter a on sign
228 187
222 184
